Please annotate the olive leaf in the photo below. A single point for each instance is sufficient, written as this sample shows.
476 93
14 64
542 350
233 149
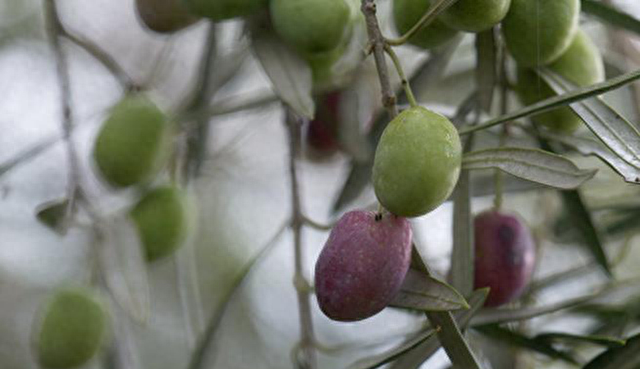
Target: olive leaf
611 15
52 214
421 353
588 146
620 136
625 357
531 164
290 75
377 361
425 293
567 337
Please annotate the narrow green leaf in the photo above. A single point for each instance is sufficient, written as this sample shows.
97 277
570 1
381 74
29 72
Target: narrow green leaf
583 222
611 15
519 340
626 357
610 127
567 337
588 146
531 164
557 101
418 355
453 341
377 361
290 75
52 214
360 173
462 254
486 61
425 293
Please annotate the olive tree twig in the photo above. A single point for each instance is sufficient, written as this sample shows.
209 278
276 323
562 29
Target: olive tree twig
305 357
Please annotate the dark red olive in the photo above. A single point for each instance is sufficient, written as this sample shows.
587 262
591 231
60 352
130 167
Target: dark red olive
322 131
362 265
505 255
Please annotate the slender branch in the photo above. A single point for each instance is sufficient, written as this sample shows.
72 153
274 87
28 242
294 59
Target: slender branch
62 70
306 356
315 225
233 105
405 83
428 17
377 42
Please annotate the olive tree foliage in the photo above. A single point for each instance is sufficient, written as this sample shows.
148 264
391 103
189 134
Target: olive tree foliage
196 233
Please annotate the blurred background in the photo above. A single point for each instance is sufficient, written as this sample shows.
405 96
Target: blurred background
242 195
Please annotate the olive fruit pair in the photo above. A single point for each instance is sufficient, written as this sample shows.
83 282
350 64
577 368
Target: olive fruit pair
417 162
504 255
162 218
133 144
71 329
464 15
362 265
581 64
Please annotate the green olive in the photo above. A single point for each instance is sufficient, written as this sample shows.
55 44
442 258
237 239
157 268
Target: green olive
538 32
311 26
73 327
581 64
134 142
219 10
162 219
406 13
164 15
475 15
417 162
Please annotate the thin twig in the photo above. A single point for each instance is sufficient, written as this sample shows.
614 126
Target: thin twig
315 225
377 42
403 79
306 355
62 70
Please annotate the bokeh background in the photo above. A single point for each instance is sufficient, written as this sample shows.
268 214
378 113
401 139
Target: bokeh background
242 197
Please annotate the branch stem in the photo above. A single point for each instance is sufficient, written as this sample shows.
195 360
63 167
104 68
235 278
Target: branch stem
405 83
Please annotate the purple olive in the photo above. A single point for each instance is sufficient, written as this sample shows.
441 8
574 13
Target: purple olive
505 255
362 265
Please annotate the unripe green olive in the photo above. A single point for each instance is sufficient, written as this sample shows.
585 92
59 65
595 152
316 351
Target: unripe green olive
219 10
72 329
134 142
581 64
417 162
162 219
538 32
406 13
311 26
475 15
164 15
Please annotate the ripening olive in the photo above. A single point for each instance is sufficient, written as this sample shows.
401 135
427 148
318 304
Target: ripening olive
311 26
581 64
134 142
417 162
504 255
362 265
162 219
475 15
219 10
72 329
406 13
538 32
164 15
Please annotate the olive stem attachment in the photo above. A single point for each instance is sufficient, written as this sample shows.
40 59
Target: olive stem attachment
405 83
428 17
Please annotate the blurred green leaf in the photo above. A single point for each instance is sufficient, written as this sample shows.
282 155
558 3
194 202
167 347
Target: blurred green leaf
425 293
611 15
462 254
486 71
567 337
557 101
519 340
626 357
620 136
52 214
531 164
379 360
290 75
